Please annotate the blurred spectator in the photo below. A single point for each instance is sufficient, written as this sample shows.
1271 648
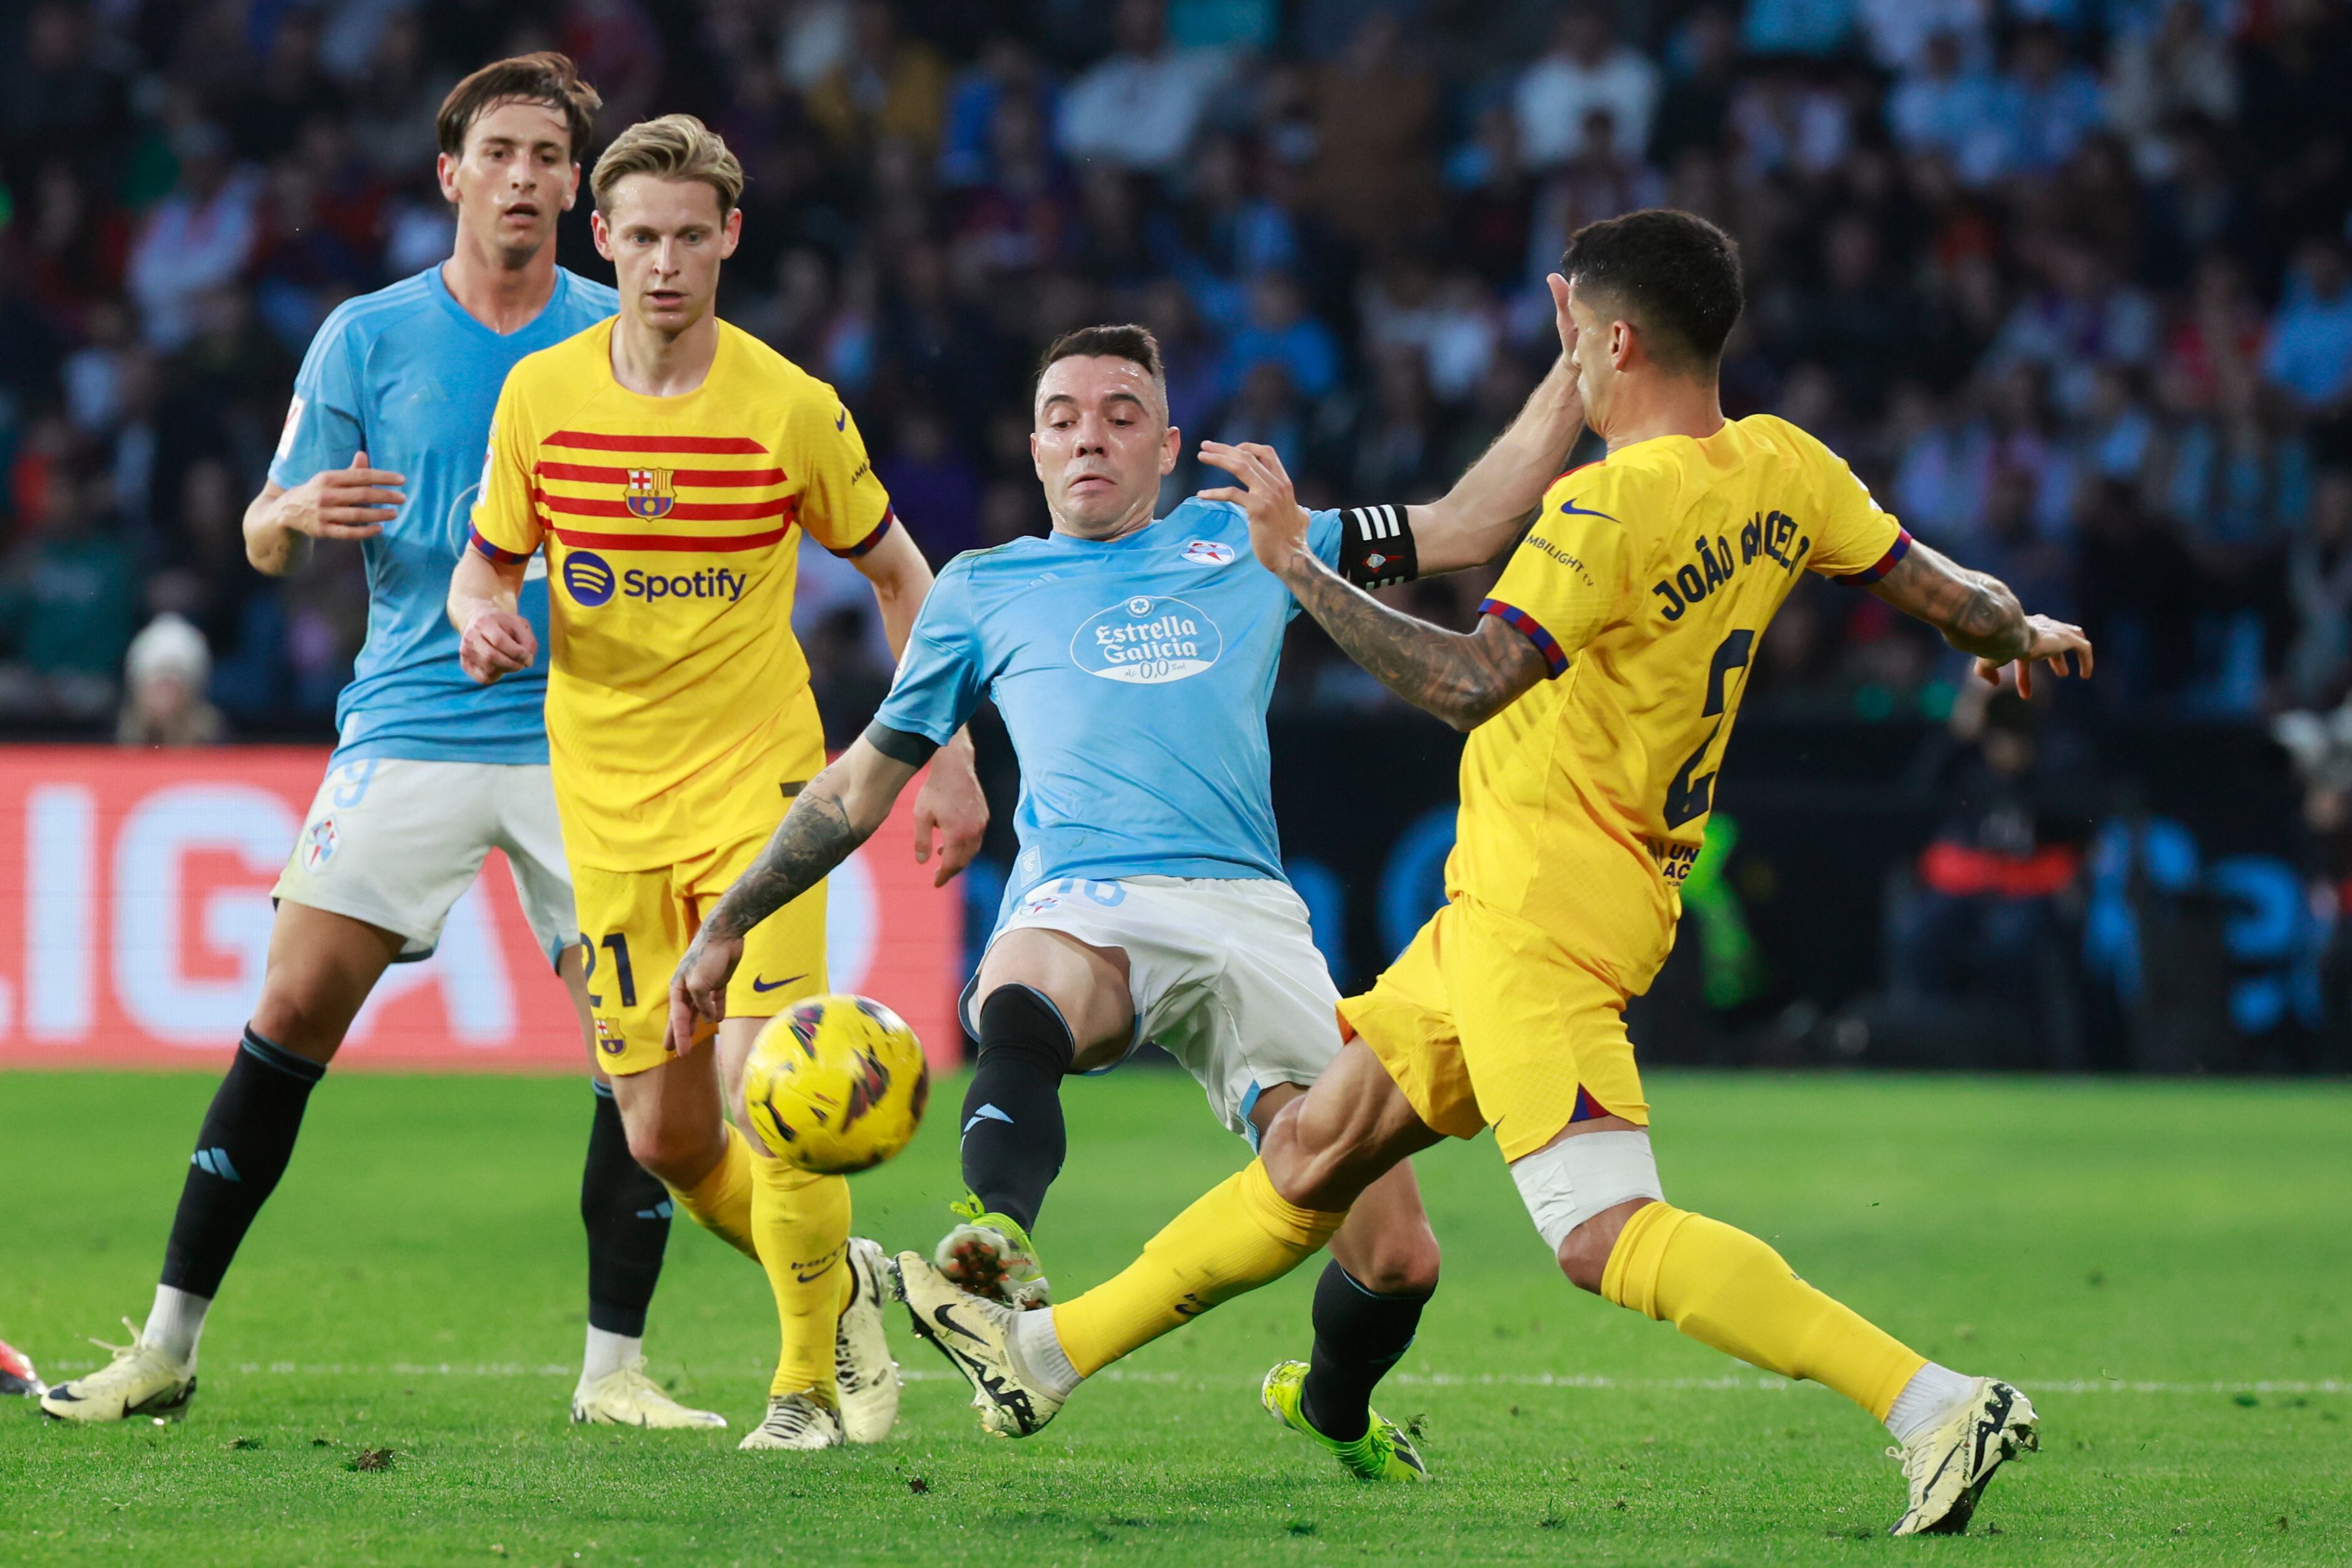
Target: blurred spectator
1586 71
197 239
2065 279
165 675
1142 105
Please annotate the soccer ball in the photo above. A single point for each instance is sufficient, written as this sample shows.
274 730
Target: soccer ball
835 1084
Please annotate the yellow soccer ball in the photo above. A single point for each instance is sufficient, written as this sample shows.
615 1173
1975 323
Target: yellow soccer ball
836 1085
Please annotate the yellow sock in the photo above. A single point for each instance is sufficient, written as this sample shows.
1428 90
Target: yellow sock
721 1201
1241 1234
1724 1288
801 1222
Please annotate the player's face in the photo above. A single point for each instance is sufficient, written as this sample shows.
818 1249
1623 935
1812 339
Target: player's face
1102 443
666 240
513 179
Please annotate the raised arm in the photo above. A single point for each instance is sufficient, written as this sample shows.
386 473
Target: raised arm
1496 499
952 808
1462 677
837 811
1979 614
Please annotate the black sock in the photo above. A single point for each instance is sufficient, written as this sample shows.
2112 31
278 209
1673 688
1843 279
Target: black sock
1012 1136
241 1150
626 1211
1358 1335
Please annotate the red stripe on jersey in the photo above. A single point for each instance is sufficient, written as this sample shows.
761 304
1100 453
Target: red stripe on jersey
678 544
679 511
591 442
1578 469
714 478
1885 564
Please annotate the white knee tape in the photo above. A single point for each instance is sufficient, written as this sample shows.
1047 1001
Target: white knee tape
1576 1178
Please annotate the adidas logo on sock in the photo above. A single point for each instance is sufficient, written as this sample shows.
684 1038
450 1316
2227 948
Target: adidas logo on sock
661 1210
214 1162
986 1114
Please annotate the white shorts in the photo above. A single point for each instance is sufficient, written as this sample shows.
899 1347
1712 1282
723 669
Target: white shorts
394 842
1223 972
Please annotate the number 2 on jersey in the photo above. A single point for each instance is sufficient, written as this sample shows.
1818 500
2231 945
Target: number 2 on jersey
1689 799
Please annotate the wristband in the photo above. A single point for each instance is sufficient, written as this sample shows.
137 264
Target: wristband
1376 548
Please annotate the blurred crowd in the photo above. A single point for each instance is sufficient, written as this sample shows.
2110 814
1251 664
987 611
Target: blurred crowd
2066 279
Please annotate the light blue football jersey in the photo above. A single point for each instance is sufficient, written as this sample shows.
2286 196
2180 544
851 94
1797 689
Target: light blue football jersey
407 376
1133 677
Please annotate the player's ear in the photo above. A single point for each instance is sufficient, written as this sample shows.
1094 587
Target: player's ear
1171 444
732 233
1621 344
444 170
571 189
602 236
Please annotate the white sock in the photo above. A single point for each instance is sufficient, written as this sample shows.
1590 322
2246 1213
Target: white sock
1038 1356
175 1323
608 1353
1927 1400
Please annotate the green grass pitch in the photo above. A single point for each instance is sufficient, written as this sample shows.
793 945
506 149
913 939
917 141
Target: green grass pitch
2163 1266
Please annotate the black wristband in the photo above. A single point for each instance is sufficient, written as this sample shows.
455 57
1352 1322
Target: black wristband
1376 548
900 745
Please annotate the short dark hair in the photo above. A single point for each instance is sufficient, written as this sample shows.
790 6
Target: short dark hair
1675 275
545 77
1124 341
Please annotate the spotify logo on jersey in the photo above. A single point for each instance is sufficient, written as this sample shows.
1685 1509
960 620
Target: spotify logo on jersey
588 577
1145 640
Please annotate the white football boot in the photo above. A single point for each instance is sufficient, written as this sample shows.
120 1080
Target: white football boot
626 1396
1949 1466
795 1421
976 1336
142 1380
863 1373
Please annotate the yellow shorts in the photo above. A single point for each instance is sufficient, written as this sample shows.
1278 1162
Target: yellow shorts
638 925
1485 1023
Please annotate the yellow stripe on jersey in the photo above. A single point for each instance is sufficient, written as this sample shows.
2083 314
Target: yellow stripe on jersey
1645 582
672 529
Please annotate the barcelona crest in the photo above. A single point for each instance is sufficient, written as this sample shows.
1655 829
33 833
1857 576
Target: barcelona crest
651 493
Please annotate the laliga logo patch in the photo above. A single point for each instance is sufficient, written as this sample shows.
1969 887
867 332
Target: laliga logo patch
1209 552
1147 640
319 843
588 577
650 492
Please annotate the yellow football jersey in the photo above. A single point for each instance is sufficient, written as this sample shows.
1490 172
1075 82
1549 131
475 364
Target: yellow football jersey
674 707
1645 582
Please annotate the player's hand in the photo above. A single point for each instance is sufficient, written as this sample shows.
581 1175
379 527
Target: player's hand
2048 642
496 643
1277 523
698 990
952 810
351 503
1567 323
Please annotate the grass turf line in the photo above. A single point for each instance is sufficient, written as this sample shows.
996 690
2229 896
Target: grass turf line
2185 1236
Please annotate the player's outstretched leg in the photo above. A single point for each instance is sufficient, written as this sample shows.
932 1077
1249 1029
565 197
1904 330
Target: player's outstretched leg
1367 1306
801 1223
1251 1229
1726 1288
1012 1148
626 1211
320 968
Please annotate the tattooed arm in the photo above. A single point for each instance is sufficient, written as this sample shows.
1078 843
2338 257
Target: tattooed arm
1464 678
1979 614
837 811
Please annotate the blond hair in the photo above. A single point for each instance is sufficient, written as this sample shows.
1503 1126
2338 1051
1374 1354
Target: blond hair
674 147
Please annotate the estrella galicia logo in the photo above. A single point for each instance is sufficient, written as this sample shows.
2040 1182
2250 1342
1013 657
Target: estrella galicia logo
1147 640
1209 552
588 577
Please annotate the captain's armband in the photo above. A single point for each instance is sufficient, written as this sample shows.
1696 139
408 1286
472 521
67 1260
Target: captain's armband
1376 548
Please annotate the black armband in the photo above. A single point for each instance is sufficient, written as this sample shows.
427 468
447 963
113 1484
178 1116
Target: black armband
900 745
1376 548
